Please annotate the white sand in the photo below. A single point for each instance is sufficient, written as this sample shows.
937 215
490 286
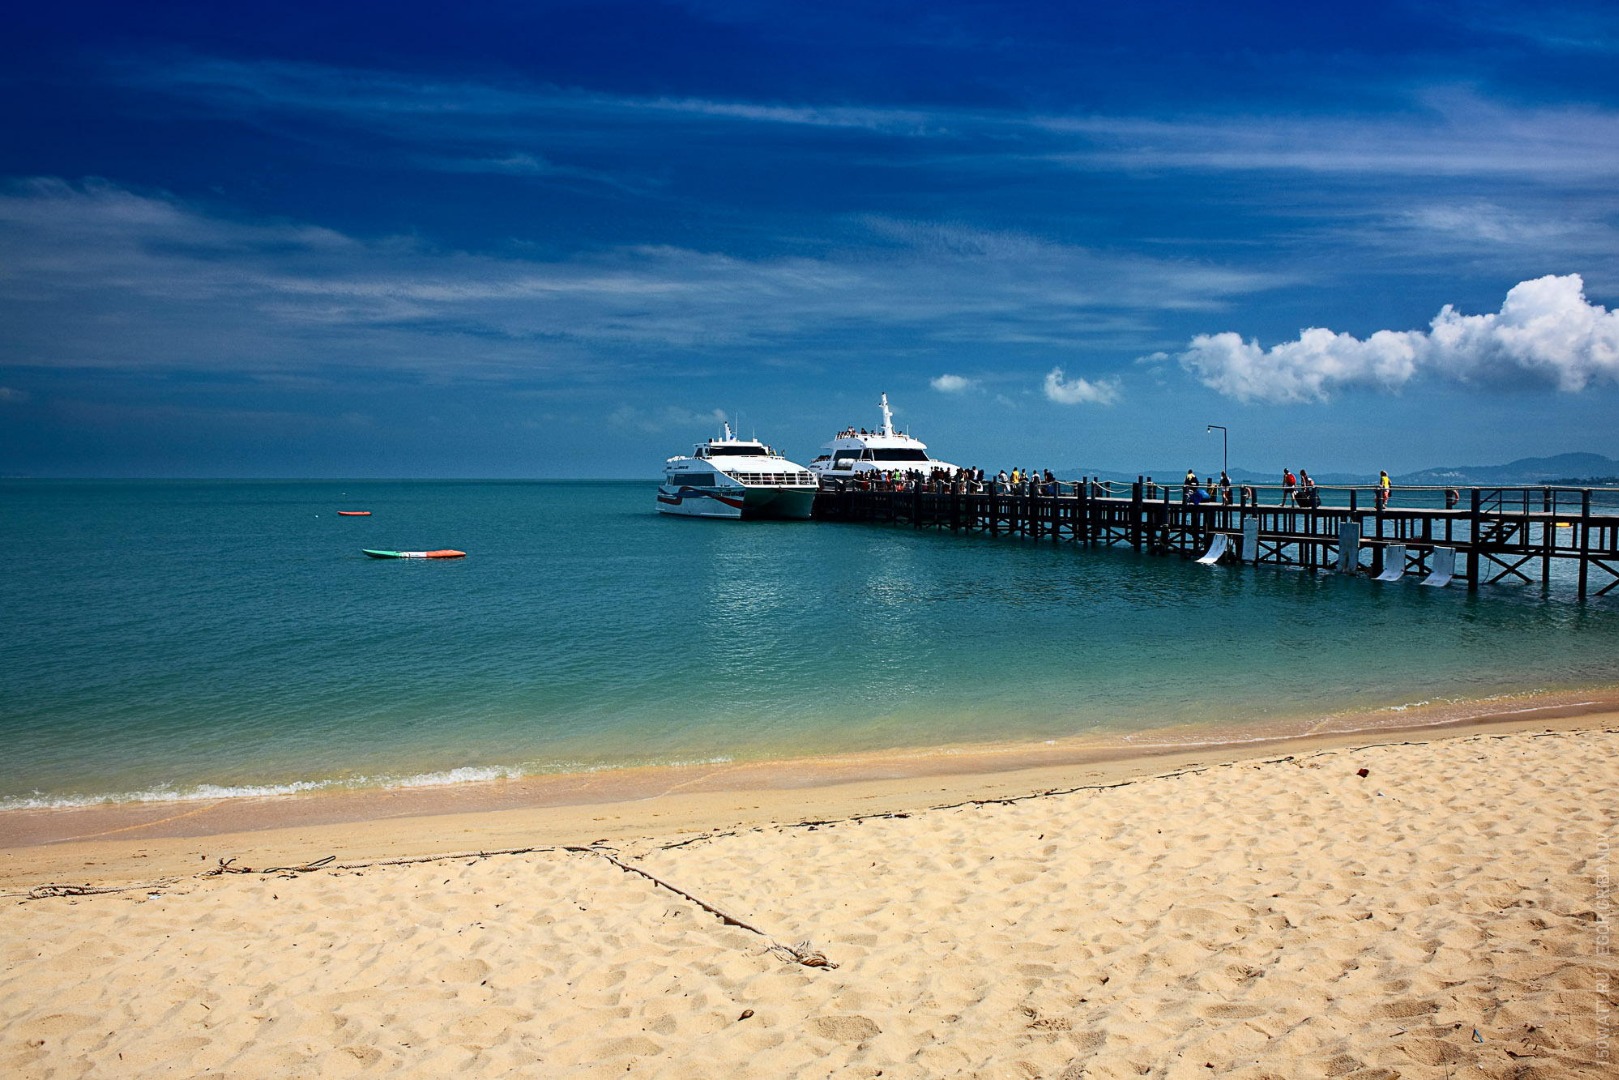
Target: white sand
1445 916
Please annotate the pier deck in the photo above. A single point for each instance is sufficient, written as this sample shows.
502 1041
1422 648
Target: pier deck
1480 536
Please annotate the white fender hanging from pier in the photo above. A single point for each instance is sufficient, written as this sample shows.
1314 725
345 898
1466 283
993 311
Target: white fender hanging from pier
1216 550
1349 547
1393 563
1250 540
1444 567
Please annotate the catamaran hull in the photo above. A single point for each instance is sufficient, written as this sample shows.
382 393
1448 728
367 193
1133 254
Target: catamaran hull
753 503
782 504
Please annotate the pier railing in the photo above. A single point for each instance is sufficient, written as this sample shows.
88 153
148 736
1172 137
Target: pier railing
1481 536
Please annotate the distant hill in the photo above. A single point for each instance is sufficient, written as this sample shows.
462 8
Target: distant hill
1569 468
1574 469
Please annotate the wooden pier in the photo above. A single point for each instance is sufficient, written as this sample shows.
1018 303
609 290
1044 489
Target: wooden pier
1481 536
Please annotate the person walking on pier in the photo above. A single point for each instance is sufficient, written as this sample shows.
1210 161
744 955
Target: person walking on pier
1289 482
1307 496
1225 488
1384 489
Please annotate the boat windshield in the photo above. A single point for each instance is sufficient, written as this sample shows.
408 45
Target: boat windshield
886 453
746 450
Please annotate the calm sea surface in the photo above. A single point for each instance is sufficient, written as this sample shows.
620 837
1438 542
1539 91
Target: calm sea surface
192 639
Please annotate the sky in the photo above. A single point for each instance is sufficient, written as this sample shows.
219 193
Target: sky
536 239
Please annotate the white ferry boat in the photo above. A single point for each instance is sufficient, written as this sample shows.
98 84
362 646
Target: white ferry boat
730 477
867 454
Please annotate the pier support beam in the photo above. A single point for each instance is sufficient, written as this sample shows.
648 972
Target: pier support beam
1473 541
1585 539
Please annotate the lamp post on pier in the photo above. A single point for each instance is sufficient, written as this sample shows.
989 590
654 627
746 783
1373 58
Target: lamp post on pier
1225 463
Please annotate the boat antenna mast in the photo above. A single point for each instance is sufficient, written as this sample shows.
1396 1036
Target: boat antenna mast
888 417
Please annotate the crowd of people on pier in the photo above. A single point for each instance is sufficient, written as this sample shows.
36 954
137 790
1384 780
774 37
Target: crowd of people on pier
1196 494
968 481
1296 490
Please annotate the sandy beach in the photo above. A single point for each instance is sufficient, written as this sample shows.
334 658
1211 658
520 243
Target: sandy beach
1432 904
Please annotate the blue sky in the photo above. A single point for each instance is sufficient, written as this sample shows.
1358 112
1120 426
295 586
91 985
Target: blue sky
562 239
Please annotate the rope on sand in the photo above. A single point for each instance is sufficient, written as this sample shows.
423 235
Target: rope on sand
228 866
304 869
43 892
800 953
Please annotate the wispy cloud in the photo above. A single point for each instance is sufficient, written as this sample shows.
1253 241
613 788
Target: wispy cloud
381 99
1554 27
1484 222
101 275
1443 131
1447 133
1546 334
530 165
668 418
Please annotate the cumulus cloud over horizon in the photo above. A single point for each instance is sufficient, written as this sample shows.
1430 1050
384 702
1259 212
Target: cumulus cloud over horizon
1079 391
1546 333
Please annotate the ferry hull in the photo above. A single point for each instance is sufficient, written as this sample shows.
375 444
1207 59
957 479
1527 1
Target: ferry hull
693 502
791 504
785 504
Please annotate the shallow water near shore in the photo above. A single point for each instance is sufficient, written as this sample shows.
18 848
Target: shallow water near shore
200 639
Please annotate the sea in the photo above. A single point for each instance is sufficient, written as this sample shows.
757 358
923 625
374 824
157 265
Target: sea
186 640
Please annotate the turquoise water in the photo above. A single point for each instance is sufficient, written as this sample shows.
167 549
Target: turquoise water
191 639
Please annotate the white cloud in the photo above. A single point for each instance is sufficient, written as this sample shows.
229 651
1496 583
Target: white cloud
1304 370
1079 391
1546 332
953 384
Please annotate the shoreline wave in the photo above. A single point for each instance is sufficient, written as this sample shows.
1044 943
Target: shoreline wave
462 775
1407 716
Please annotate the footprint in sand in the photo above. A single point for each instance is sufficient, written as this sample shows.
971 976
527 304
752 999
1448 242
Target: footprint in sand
845 1028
